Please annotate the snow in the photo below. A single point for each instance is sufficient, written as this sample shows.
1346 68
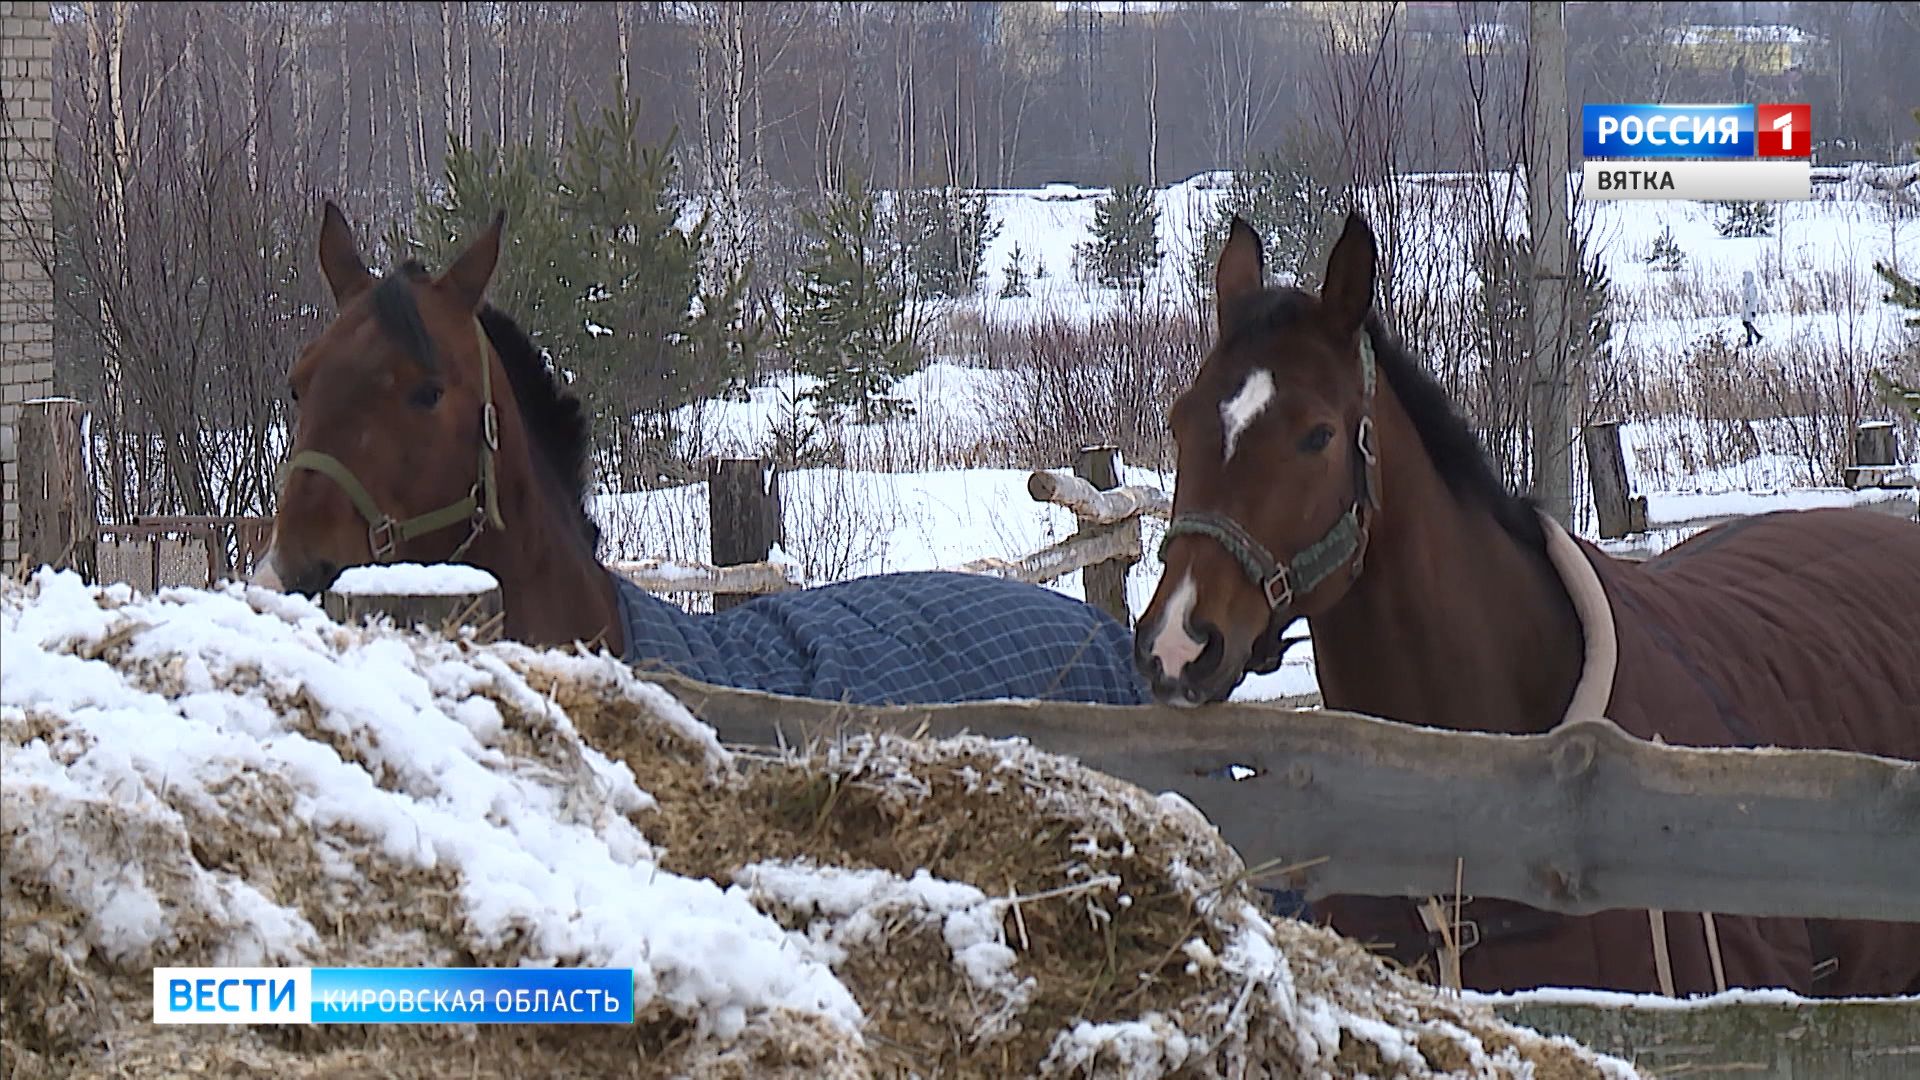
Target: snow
1668 507
400 751
414 579
1609 999
845 908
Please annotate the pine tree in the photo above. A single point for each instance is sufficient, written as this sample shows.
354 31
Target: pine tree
1014 281
1666 253
847 323
944 233
602 276
1291 198
1125 247
1745 219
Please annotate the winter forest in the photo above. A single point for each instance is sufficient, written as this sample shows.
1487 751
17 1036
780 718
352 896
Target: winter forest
768 228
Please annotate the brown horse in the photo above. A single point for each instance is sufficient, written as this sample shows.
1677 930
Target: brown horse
404 372
1323 474
431 430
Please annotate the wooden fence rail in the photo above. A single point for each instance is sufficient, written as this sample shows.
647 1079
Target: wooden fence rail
1584 819
1622 513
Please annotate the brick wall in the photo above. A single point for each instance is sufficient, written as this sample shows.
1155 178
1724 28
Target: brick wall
26 222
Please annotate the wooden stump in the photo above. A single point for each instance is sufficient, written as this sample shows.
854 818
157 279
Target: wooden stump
1876 456
1876 442
1620 512
1106 582
744 516
434 613
57 523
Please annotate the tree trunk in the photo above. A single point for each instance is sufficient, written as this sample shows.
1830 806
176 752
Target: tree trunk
446 65
1548 405
346 102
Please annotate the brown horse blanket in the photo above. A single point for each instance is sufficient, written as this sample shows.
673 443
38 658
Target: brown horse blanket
1798 629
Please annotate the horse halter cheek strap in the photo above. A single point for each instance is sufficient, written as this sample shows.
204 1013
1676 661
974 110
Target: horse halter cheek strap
480 508
1345 543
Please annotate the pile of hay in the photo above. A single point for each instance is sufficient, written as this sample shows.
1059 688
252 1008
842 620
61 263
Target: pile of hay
228 778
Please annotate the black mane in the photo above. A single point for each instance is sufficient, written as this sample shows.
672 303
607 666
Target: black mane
555 419
1456 451
557 424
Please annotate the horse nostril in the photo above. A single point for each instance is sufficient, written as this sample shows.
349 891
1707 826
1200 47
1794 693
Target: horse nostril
1208 662
315 578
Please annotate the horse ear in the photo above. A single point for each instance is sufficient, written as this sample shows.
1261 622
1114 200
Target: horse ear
1241 269
1347 295
340 261
469 275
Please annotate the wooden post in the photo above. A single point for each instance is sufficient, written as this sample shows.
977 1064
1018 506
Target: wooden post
1876 442
743 514
1106 583
1876 457
57 523
1549 388
1620 512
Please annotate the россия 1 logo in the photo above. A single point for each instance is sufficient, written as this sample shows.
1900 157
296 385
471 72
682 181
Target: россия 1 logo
1740 152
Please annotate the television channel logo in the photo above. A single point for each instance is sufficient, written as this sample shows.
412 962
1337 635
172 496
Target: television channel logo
1724 152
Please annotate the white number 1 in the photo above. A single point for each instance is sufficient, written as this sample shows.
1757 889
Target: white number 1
1784 125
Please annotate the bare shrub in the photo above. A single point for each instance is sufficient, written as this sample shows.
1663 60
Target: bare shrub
1109 380
838 523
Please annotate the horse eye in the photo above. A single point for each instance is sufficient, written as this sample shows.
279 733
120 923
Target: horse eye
1317 439
294 393
425 396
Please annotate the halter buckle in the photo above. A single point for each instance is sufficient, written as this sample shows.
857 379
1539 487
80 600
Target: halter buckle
490 426
1364 438
1279 589
380 539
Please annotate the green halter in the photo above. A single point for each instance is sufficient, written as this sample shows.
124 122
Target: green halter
481 506
1344 543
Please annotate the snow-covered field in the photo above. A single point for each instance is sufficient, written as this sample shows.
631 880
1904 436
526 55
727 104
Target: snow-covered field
1818 293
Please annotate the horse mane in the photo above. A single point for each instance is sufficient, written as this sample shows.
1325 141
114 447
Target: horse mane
1456 451
555 420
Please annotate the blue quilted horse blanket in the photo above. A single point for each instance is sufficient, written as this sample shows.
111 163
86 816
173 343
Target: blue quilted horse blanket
894 639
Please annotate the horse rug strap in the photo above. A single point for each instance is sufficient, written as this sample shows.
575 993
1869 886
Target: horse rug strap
1344 543
480 507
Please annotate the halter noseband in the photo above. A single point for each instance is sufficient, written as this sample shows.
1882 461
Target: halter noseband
1344 543
481 507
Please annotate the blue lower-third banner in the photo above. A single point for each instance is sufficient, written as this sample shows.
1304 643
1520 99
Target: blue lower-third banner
393 995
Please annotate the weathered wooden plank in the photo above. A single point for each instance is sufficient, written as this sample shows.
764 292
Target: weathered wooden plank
1882 476
1584 819
435 612
1747 1036
1121 541
667 575
1094 506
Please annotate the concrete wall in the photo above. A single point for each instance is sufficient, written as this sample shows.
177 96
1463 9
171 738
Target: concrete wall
26 226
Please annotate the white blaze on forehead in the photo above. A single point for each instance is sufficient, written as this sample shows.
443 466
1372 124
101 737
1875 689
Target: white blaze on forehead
1238 412
1172 645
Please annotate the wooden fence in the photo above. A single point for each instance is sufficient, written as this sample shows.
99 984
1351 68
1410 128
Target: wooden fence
745 524
1623 514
